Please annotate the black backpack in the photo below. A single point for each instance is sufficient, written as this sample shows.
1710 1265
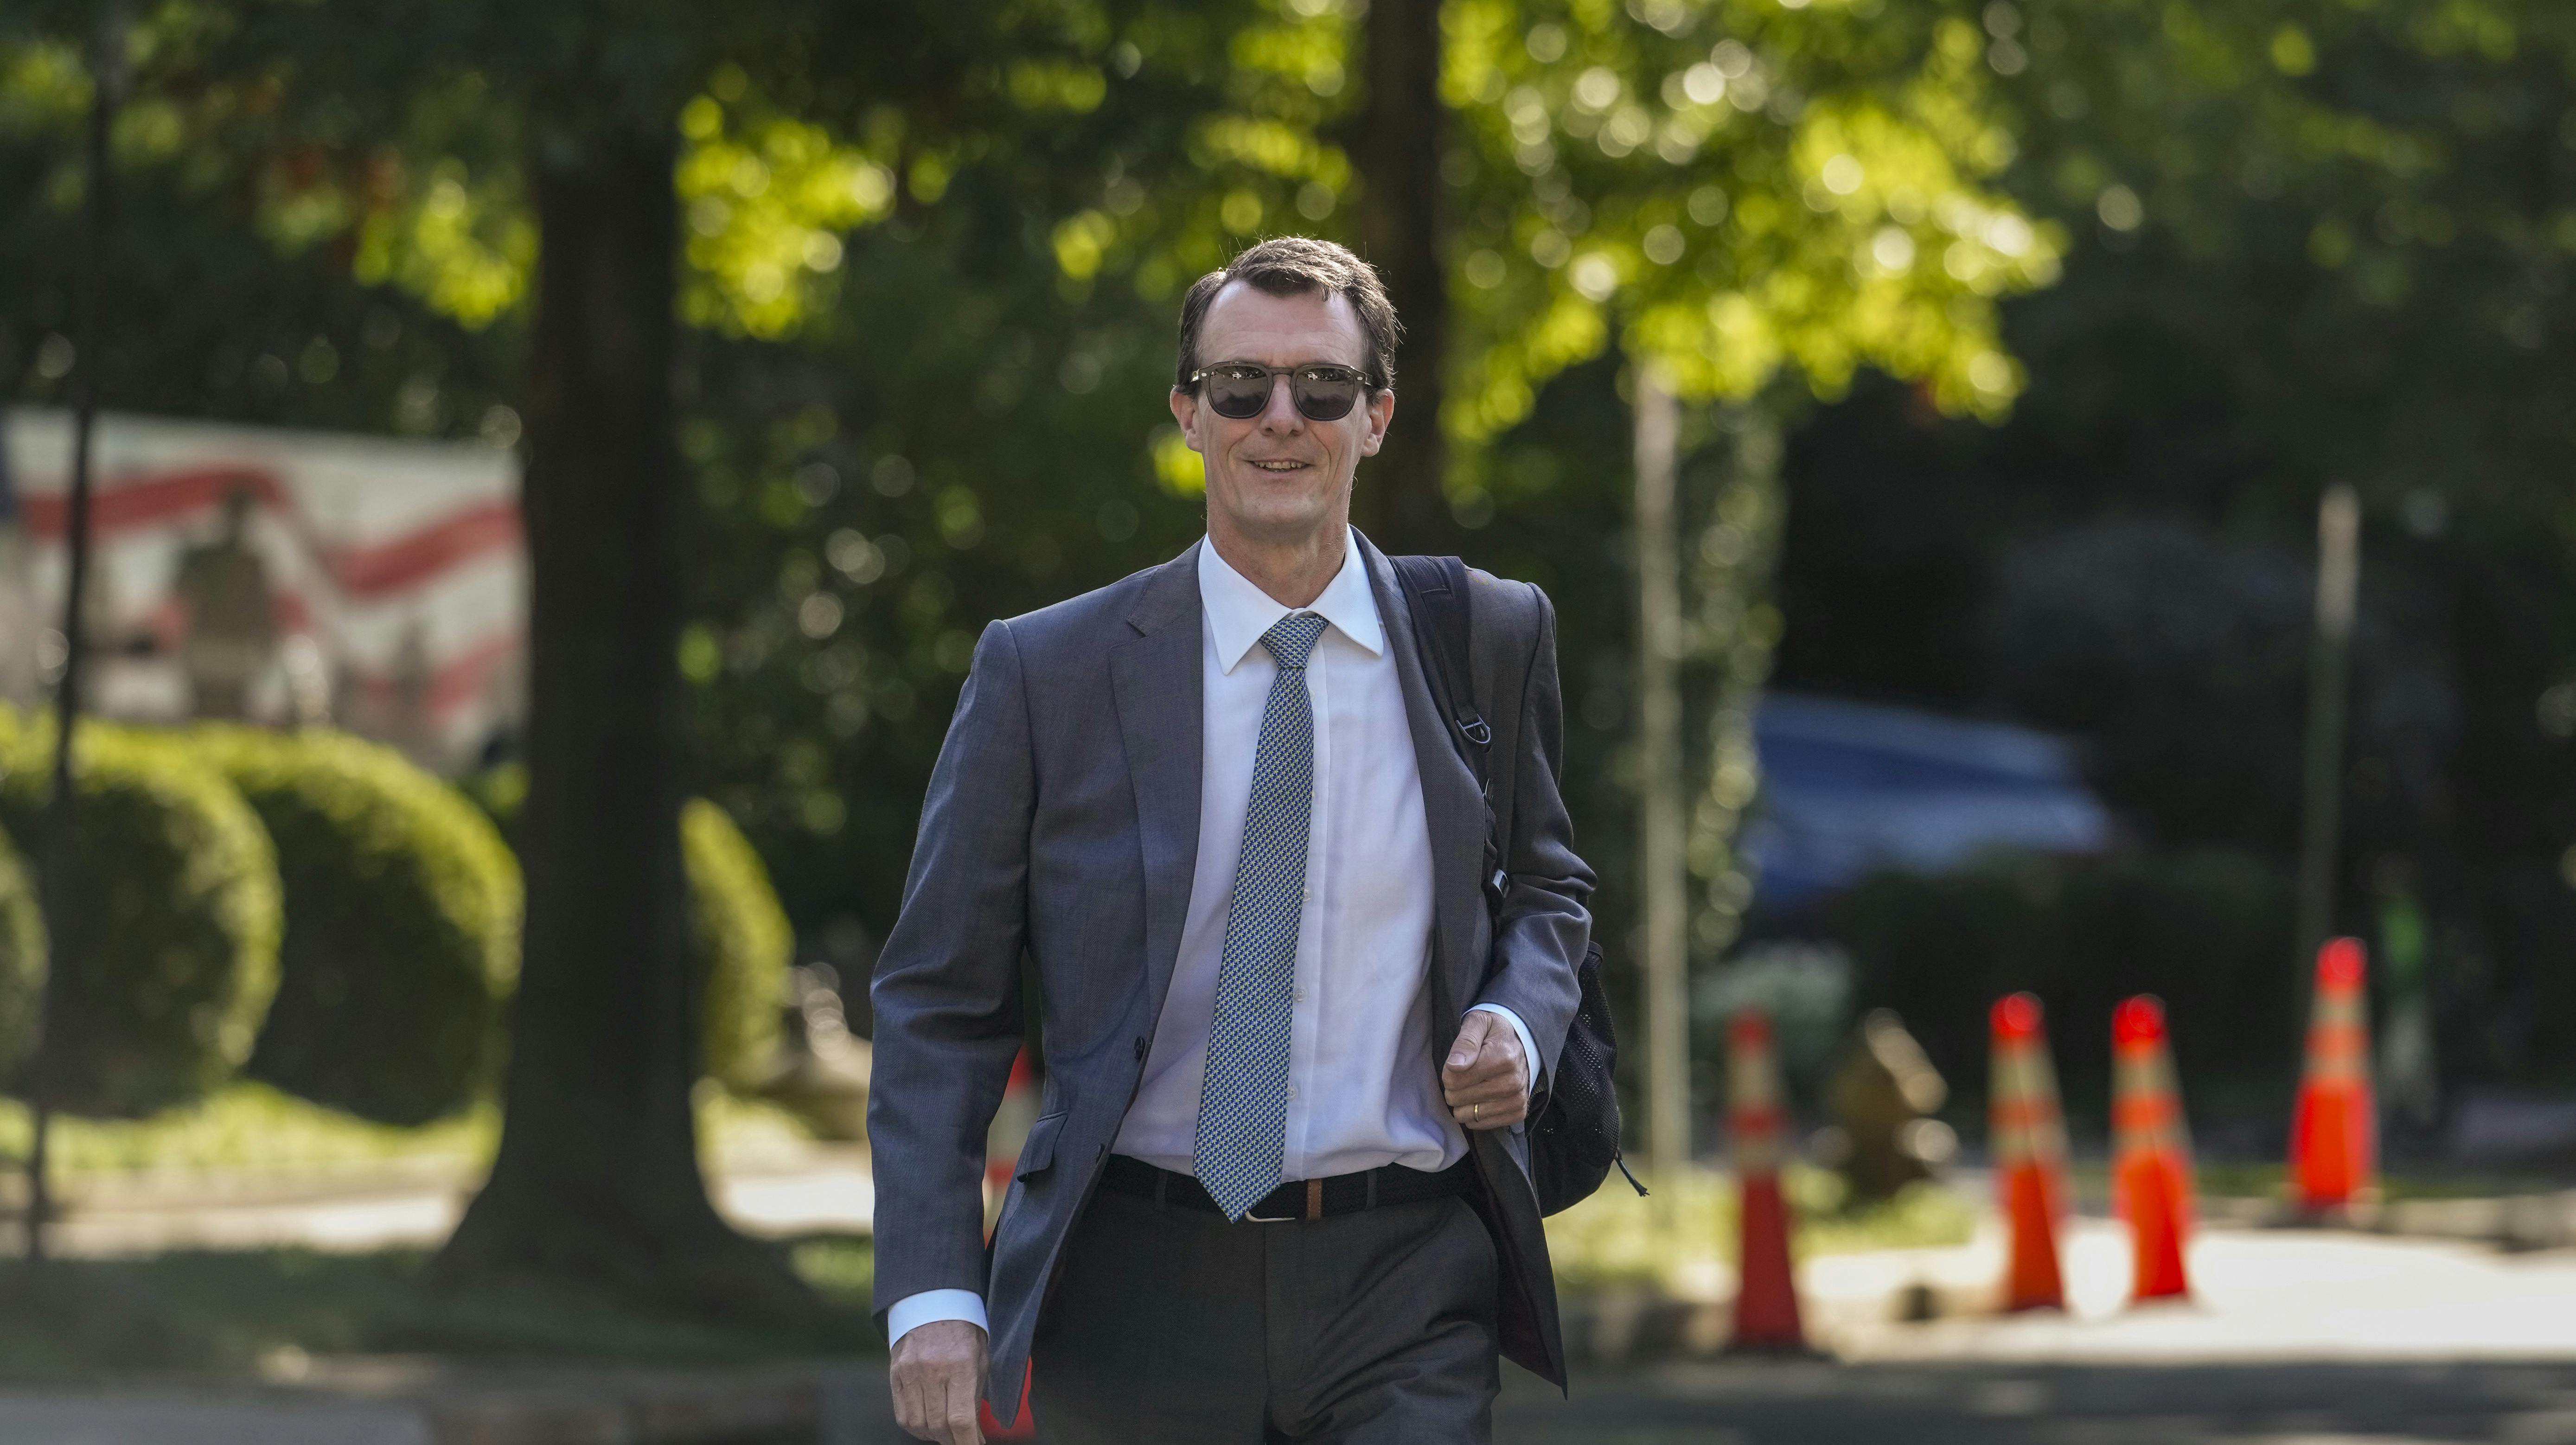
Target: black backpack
1574 1133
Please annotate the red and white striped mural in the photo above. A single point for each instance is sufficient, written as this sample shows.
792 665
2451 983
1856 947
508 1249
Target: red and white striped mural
395 570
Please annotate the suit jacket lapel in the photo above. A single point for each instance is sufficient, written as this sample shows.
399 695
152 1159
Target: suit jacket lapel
1156 681
1453 809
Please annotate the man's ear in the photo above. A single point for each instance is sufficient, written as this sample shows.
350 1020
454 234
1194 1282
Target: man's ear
1185 410
1381 411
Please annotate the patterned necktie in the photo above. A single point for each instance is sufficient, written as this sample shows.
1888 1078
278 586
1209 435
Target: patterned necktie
1243 1101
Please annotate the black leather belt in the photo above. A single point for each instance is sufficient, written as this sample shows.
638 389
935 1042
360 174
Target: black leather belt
1296 1199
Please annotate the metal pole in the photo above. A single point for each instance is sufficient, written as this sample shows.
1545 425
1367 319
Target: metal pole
58 861
2329 666
1662 866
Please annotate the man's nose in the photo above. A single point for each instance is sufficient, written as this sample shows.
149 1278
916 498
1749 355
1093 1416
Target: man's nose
1281 415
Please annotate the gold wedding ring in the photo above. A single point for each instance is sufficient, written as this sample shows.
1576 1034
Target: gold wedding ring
1475 1111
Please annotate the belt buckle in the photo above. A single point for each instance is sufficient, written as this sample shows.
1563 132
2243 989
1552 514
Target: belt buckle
1314 1207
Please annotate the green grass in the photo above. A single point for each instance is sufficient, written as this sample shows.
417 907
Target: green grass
1611 1238
248 1130
236 1313
247 1312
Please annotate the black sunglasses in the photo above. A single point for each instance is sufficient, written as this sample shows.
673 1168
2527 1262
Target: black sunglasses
1241 389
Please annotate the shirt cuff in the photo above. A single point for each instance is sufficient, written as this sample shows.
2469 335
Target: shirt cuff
1529 1050
931 1306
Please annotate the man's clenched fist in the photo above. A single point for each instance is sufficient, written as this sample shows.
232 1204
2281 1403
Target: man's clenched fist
1484 1080
938 1375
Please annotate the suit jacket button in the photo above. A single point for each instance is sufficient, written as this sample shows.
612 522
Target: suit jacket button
1140 1048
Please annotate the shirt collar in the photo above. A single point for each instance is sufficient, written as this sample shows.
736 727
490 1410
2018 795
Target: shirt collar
1238 611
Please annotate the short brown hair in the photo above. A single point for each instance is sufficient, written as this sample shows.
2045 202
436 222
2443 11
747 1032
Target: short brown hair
1297 266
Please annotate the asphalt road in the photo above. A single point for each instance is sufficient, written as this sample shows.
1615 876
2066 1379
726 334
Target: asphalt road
2454 1402
2378 1403
1944 1403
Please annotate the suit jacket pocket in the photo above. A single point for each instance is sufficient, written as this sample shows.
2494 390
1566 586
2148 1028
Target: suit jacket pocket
1038 1151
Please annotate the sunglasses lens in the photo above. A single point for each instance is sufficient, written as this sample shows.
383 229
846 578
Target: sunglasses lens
1237 395
1321 395
1325 398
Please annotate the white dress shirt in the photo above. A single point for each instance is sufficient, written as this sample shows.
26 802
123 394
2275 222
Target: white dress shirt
1364 1086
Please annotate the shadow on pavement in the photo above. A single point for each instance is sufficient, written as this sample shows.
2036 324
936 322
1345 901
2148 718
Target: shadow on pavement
2377 1403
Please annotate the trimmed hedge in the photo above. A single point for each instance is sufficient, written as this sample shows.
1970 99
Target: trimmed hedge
179 897
743 942
740 938
22 959
402 925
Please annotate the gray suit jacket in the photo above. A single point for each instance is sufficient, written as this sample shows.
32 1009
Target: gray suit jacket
1062 823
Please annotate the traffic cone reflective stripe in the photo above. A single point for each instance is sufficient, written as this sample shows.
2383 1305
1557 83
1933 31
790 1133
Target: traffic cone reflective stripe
2151 1151
1766 1295
2028 1138
2334 1129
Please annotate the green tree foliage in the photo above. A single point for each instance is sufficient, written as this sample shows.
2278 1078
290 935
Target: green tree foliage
597 1180
402 925
179 919
2297 240
2389 183
1732 188
1741 187
2311 242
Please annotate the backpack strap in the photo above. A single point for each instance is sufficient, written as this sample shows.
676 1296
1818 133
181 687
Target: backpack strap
1435 589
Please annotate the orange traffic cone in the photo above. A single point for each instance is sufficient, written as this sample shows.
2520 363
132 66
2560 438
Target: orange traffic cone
1022 1427
2029 1143
2334 1133
2150 1150
1002 1141
1766 1297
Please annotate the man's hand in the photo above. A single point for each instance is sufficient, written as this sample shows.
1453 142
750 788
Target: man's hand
1484 1079
938 1375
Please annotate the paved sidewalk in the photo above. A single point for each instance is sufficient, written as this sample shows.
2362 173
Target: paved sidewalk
396 1402
2259 1294
817 1188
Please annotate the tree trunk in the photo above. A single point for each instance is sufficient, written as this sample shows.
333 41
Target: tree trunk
1662 876
597 1182
1399 500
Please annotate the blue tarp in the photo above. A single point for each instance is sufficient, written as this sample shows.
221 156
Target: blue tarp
1849 788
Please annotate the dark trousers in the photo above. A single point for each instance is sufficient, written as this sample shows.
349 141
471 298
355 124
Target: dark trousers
1172 1325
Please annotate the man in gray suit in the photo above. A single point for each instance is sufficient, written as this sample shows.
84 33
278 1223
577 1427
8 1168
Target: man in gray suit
1278 1186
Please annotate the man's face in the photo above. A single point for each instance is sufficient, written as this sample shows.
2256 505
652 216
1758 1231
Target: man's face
1281 475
